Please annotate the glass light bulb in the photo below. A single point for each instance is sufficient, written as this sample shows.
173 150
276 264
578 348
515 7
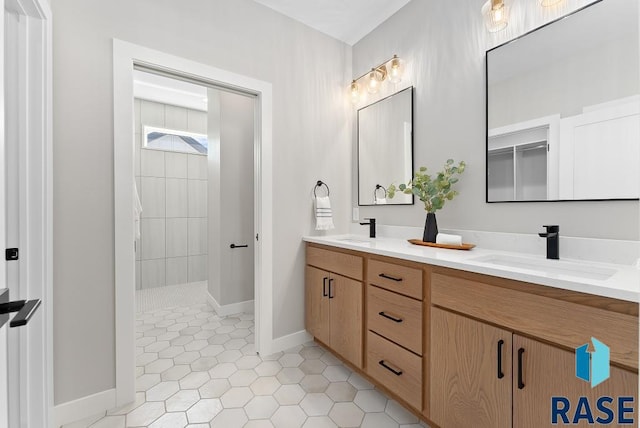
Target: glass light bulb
496 15
395 70
355 92
374 84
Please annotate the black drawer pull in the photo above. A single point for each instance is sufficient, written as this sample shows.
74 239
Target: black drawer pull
520 380
233 246
382 314
392 278
324 287
395 372
500 373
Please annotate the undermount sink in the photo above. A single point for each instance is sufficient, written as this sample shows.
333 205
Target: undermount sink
578 270
355 239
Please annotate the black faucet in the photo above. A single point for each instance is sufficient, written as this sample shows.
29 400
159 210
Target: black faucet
372 227
553 241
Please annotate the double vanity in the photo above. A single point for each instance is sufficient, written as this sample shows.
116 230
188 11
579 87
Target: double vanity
471 338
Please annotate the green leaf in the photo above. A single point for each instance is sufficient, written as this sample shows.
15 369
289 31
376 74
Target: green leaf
402 186
449 161
438 203
391 191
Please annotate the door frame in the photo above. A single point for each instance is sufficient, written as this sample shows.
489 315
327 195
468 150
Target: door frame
125 56
36 206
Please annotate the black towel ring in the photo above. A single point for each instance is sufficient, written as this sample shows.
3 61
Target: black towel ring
375 192
320 184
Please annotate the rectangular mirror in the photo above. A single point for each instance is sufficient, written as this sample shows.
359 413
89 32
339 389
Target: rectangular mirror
385 149
563 109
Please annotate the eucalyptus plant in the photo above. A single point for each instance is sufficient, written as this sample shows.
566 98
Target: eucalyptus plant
432 191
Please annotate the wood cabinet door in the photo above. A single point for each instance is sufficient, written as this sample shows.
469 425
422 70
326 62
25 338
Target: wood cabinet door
470 372
548 371
317 303
345 297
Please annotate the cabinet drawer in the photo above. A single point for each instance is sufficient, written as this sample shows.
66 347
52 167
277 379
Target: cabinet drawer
333 261
401 279
557 321
396 317
403 372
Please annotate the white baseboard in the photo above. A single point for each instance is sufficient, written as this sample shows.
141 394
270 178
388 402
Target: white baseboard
233 308
84 407
290 341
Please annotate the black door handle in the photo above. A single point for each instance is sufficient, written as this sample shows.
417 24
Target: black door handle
500 345
331 296
382 314
324 287
25 310
520 380
232 246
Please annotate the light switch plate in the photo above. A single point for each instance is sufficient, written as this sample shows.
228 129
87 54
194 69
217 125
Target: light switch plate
356 214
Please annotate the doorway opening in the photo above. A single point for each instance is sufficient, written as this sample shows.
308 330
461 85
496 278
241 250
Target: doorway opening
194 148
235 217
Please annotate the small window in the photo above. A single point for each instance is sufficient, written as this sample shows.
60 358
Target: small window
175 141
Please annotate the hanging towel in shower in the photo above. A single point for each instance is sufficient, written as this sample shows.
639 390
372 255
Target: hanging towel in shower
324 216
137 209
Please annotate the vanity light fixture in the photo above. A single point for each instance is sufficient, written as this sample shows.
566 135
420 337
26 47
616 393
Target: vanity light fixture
391 69
496 15
376 77
355 91
549 3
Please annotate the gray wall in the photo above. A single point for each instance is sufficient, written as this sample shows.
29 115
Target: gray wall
443 43
173 190
311 141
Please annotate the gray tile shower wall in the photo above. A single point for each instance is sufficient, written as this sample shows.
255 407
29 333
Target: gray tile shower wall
173 191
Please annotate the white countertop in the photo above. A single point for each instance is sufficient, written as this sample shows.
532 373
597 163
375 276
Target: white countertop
624 284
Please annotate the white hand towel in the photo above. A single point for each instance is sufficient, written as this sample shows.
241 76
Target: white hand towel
443 238
381 201
324 216
137 209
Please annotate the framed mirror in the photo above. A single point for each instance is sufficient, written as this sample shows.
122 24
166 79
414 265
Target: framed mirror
563 109
385 149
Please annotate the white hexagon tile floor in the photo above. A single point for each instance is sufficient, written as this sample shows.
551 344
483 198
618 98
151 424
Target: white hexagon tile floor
198 370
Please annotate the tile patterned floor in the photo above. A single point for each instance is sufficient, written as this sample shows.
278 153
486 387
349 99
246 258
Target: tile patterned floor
151 299
198 370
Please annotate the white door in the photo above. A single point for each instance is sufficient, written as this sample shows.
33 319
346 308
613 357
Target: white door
237 127
4 369
25 212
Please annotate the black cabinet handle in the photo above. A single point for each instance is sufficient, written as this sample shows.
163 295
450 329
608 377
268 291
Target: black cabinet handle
25 310
382 314
395 372
324 287
232 246
520 381
331 296
500 345
392 278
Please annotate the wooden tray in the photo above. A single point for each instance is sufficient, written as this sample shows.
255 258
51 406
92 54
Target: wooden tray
433 244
